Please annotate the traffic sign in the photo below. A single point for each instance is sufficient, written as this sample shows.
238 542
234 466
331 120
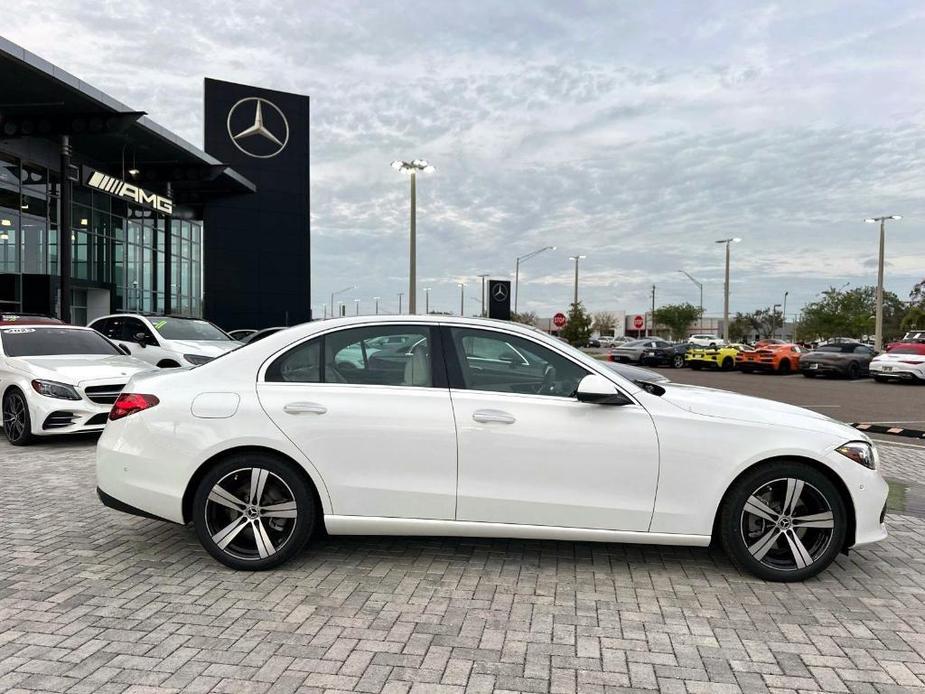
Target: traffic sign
639 322
559 320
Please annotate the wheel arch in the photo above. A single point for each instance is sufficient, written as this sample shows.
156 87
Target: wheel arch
208 464
811 462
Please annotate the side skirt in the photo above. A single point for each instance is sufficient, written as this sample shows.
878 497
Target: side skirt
369 525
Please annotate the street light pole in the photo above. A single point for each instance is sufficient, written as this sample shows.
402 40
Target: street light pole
377 304
576 258
356 303
427 300
400 295
482 313
878 337
523 259
783 321
412 168
699 286
462 299
339 291
728 242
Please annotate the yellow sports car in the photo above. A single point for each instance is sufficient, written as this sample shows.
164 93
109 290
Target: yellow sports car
714 357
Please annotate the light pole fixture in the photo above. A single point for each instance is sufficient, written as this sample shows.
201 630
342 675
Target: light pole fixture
728 243
576 258
413 168
522 259
376 299
400 295
878 337
427 299
699 286
339 291
783 321
356 304
462 299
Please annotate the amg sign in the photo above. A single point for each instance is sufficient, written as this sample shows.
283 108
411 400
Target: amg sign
128 191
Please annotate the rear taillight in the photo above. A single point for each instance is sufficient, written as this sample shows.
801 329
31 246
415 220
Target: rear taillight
130 403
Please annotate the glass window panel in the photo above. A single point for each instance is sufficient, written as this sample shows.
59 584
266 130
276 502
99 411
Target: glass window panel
81 259
9 244
34 236
392 355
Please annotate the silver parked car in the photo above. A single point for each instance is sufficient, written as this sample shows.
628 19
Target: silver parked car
632 351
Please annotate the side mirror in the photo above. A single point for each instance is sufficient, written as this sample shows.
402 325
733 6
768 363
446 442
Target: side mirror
141 338
598 390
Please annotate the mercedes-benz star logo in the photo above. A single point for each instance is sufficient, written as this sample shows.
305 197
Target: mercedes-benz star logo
263 137
499 292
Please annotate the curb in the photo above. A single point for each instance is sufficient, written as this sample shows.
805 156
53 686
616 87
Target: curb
894 431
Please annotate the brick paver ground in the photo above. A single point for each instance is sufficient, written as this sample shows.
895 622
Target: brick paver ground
95 601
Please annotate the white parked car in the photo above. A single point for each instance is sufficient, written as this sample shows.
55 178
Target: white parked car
479 428
59 379
903 362
704 340
166 341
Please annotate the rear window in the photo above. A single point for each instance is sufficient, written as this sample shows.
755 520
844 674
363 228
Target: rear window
43 342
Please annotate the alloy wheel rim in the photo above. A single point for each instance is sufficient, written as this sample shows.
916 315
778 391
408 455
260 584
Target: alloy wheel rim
251 513
13 417
787 524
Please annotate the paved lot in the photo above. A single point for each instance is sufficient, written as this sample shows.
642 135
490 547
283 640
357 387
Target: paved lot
95 601
863 400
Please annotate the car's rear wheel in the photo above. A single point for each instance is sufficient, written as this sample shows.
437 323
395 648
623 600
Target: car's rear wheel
728 364
783 521
677 361
17 424
784 366
253 512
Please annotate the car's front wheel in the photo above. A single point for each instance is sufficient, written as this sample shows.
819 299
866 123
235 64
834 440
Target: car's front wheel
677 361
783 521
253 511
17 424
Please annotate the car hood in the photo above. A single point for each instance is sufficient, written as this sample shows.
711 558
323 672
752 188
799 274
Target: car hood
208 348
723 404
78 368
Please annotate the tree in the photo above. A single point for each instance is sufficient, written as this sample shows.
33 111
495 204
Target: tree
851 313
577 330
914 319
740 328
766 321
605 322
678 318
525 317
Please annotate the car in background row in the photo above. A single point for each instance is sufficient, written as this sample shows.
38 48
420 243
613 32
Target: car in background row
773 356
58 379
30 318
665 355
904 361
632 351
850 359
722 357
706 340
167 342
241 335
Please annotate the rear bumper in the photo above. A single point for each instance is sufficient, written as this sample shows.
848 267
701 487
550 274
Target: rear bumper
817 368
116 505
900 373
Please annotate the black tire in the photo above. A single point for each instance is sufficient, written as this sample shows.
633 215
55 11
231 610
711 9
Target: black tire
783 549
255 544
881 379
167 364
677 361
17 423
809 374
728 364
746 369
696 365
853 371
784 366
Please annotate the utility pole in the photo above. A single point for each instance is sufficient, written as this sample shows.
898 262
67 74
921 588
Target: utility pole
726 290
427 300
783 321
576 258
412 168
400 295
653 311
462 299
482 314
377 304
878 337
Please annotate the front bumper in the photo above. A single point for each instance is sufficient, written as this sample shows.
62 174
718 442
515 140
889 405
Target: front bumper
53 416
868 491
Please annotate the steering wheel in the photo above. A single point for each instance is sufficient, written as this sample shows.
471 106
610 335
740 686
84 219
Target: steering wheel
549 380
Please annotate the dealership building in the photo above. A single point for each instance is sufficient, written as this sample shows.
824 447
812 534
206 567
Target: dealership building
104 210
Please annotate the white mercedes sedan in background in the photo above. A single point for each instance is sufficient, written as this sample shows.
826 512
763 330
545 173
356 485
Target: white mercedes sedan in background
432 425
59 379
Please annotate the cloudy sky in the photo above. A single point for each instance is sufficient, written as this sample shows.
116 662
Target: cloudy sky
633 133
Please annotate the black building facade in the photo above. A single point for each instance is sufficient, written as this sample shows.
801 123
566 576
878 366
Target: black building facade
102 210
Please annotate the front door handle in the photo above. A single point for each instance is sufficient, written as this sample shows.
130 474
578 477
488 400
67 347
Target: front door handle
498 416
304 408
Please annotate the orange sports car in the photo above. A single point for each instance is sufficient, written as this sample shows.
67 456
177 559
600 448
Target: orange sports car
781 358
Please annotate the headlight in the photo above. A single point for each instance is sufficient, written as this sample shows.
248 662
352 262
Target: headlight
197 359
859 452
53 389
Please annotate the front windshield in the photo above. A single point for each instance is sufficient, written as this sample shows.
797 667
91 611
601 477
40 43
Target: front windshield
186 329
44 342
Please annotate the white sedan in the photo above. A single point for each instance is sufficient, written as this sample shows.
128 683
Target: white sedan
903 362
478 428
59 379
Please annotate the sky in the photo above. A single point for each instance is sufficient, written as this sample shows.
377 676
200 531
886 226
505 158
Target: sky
635 134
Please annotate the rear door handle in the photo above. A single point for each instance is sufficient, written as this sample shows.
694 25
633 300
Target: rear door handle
304 408
498 416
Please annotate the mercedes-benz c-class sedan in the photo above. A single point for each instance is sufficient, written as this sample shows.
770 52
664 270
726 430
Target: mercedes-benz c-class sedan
432 425
58 379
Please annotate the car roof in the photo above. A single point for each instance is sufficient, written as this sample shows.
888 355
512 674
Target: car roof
40 326
7 319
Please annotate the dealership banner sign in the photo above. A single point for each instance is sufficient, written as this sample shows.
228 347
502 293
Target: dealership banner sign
128 191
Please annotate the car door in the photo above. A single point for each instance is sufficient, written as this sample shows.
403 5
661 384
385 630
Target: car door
530 453
380 431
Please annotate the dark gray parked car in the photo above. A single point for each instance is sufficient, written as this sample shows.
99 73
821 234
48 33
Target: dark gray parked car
850 359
